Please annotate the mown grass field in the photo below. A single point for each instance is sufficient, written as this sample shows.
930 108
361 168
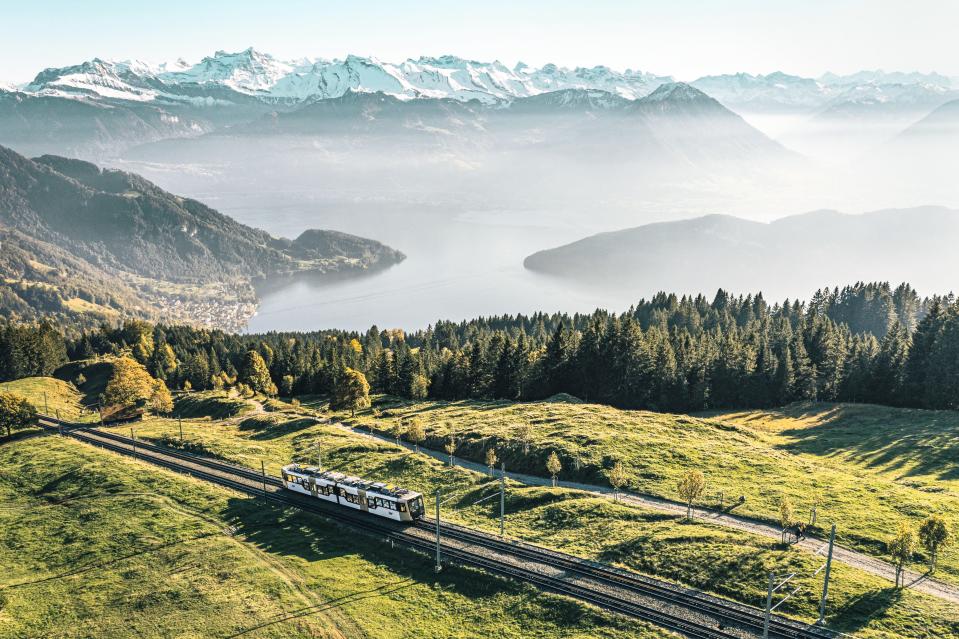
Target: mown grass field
96 545
869 468
726 562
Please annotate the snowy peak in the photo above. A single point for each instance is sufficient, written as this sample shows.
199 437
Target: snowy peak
775 91
248 71
254 73
881 77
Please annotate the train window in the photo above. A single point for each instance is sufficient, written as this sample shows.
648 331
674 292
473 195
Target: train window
401 507
371 502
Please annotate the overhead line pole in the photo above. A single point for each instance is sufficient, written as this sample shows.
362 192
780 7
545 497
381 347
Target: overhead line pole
502 498
769 605
439 567
825 583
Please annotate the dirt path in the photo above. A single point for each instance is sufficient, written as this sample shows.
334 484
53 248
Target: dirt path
867 563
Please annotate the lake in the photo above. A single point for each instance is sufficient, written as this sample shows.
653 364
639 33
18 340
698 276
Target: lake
459 265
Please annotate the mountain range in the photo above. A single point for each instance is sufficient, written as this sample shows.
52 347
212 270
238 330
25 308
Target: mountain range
89 244
239 76
99 108
785 257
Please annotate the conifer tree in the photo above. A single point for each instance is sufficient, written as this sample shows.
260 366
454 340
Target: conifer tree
256 375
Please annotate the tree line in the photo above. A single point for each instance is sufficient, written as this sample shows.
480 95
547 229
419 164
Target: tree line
863 343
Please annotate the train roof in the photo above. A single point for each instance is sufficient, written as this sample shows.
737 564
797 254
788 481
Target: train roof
381 488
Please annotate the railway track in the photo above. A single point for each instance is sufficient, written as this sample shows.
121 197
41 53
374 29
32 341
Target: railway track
688 612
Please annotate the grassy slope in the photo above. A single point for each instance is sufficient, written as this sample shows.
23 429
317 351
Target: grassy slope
60 395
868 477
918 448
95 545
727 562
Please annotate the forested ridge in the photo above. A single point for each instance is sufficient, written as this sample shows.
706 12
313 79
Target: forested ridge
83 243
863 343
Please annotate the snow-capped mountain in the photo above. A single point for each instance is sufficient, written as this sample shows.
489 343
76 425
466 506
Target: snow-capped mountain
773 92
882 77
919 97
781 92
260 75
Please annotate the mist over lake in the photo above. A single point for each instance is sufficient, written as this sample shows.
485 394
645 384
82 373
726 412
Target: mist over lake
458 266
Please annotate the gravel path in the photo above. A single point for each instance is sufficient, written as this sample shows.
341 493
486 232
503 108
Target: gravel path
867 563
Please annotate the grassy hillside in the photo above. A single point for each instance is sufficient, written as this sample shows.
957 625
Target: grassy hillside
95 545
130 240
915 447
47 391
727 562
866 501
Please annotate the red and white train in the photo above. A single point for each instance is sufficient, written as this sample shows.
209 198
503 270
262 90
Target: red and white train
375 498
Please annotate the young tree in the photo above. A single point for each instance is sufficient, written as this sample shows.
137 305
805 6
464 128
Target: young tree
398 429
352 390
934 536
416 433
524 434
129 385
419 387
691 488
16 413
255 374
491 459
787 516
286 385
450 448
617 478
160 400
901 547
553 466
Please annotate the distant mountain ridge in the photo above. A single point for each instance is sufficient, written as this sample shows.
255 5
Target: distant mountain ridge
521 147
251 74
172 253
784 257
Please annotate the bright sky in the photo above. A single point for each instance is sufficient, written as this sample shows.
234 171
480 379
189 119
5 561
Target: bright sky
683 38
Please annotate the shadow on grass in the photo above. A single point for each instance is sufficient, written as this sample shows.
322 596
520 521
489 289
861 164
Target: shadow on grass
290 532
856 613
17 435
265 429
915 442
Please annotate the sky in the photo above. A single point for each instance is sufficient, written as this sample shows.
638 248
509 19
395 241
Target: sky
682 38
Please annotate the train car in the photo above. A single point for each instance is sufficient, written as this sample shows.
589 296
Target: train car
376 498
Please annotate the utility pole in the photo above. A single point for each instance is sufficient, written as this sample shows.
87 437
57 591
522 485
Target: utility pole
179 421
502 498
769 605
825 583
46 406
133 438
319 456
263 472
439 567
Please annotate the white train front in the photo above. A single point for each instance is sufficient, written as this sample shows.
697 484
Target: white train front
375 498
